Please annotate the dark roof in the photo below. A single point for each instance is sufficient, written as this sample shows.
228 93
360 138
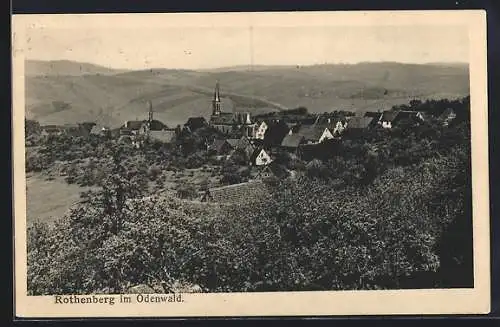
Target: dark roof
218 145
157 125
389 116
165 136
125 131
275 169
196 122
406 114
292 141
359 122
133 124
312 133
244 142
225 118
71 126
372 114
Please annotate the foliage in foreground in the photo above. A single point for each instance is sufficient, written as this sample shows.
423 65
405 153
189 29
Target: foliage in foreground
398 232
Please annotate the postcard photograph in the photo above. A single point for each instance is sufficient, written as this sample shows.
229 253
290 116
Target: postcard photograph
250 164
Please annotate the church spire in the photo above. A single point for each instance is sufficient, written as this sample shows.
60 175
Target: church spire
216 105
150 112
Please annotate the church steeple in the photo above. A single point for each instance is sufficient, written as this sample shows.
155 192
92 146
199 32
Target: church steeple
216 104
150 112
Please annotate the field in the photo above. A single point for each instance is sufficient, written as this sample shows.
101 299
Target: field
61 92
48 200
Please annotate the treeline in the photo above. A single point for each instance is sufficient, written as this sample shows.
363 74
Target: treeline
85 160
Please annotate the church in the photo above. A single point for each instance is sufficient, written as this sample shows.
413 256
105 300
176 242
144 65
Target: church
230 122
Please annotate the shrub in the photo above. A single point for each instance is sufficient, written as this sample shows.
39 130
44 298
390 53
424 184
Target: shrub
153 172
186 191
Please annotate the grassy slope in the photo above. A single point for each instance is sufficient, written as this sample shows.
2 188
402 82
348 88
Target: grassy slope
179 94
49 200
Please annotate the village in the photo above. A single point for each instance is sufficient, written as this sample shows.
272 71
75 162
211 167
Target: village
256 140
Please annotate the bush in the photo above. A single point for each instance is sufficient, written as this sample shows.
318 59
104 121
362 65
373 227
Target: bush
186 191
154 172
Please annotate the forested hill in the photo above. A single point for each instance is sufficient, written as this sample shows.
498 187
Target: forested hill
67 92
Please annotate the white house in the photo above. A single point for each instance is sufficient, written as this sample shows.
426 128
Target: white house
339 128
260 158
261 130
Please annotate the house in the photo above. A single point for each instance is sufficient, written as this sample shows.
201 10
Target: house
273 170
100 130
242 145
293 127
133 126
51 130
152 125
337 125
75 130
447 116
387 118
275 132
220 147
195 123
415 116
315 133
163 136
390 118
260 157
292 142
260 131
360 123
375 115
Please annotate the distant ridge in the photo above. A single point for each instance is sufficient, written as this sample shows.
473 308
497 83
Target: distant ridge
68 92
66 68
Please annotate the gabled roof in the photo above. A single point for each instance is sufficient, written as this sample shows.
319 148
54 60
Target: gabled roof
218 145
359 122
256 153
373 114
446 113
389 115
312 133
244 142
292 141
275 169
406 114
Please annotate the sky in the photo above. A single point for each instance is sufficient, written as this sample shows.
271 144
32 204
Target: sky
197 47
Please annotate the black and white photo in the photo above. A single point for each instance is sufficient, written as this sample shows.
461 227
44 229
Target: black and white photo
171 157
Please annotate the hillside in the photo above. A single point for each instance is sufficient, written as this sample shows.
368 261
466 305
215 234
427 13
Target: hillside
110 97
65 68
